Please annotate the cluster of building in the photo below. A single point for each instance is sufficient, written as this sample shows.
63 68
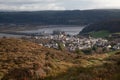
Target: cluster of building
72 43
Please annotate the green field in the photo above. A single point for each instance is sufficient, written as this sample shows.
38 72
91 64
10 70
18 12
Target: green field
100 34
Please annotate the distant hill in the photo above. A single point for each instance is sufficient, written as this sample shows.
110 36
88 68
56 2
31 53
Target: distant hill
111 26
68 17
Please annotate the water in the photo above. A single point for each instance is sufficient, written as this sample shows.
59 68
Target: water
10 35
69 30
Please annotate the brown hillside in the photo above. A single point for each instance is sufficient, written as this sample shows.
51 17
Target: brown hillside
24 60
21 54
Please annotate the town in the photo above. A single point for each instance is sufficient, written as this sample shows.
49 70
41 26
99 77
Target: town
61 41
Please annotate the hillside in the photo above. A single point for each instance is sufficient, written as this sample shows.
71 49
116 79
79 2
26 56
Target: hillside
112 26
24 60
23 55
68 17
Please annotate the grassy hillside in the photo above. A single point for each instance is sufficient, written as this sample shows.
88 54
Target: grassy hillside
97 67
24 60
100 34
23 55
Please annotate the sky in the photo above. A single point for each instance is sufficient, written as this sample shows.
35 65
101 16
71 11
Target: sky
37 5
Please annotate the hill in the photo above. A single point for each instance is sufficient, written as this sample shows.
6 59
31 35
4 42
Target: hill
21 55
68 17
24 60
102 28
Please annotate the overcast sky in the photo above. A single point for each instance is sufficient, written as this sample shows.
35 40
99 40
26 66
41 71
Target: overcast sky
35 5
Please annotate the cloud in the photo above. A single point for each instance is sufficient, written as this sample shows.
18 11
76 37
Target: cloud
110 3
92 4
34 5
30 5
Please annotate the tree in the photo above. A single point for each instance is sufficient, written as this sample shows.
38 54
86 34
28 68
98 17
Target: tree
78 51
61 46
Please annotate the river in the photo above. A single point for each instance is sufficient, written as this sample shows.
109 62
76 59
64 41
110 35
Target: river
74 30
69 30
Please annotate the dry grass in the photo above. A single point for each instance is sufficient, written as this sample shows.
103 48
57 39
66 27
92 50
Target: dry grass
30 61
19 54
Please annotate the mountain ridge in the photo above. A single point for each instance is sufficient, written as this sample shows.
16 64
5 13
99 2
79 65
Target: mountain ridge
65 17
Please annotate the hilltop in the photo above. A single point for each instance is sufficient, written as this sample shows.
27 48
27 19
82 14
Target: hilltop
24 60
22 55
67 17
